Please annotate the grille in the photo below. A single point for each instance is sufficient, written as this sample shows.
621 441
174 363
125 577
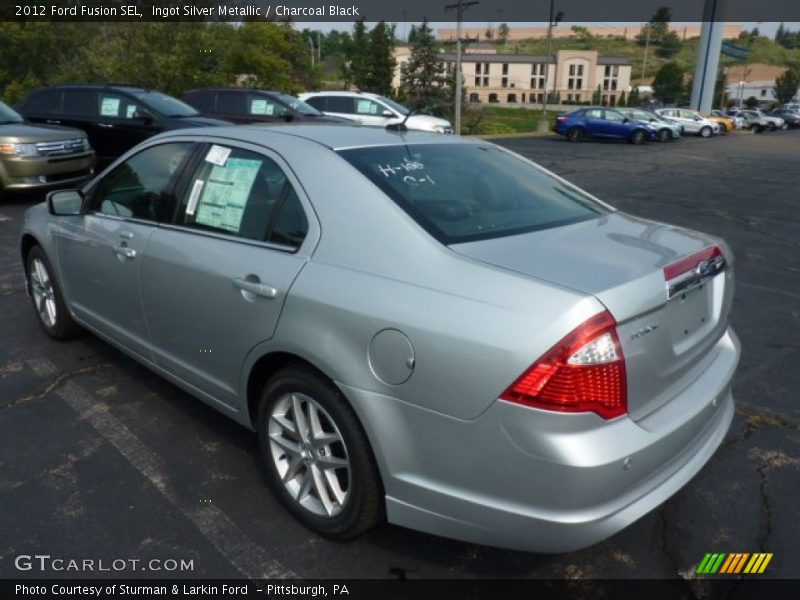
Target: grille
62 147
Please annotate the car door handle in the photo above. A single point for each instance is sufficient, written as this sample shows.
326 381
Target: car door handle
125 252
53 122
106 125
255 287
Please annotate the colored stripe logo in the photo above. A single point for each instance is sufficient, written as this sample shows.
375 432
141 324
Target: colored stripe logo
734 563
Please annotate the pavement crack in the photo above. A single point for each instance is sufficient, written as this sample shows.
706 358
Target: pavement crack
673 561
58 381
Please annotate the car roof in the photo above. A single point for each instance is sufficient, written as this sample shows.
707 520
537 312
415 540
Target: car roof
343 93
333 136
105 86
234 89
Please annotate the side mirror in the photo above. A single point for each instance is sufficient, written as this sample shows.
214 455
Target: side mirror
387 113
288 117
626 120
65 203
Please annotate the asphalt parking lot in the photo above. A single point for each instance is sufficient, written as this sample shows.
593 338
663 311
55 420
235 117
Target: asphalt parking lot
100 458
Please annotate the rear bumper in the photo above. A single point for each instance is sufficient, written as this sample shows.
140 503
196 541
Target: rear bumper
532 480
44 172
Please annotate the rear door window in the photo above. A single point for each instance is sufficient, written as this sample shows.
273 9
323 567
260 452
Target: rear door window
244 194
231 103
465 192
46 102
341 104
80 102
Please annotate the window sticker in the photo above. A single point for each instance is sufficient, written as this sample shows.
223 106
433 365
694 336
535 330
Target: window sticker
224 196
109 107
217 155
258 107
366 107
194 196
130 111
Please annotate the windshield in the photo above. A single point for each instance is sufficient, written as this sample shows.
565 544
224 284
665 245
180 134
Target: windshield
298 105
465 192
166 105
9 115
393 105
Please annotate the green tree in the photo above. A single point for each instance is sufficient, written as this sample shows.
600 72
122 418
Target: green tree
786 86
633 97
357 57
623 100
502 32
423 80
657 28
382 60
751 102
669 45
597 96
668 83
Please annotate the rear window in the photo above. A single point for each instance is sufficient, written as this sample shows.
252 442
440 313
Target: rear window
465 192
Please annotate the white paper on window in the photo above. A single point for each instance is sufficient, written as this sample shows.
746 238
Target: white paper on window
225 194
109 107
258 107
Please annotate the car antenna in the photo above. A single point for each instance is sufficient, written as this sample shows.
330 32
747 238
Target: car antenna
401 126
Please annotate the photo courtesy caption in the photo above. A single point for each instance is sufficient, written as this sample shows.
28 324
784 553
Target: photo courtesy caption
174 590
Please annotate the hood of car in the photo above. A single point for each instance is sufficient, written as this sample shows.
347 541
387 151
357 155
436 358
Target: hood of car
28 132
426 122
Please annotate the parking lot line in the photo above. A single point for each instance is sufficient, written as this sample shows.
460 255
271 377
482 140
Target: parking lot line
245 555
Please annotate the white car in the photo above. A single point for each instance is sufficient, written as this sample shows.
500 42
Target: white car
692 122
372 109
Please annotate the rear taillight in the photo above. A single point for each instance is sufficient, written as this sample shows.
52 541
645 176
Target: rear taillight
584 372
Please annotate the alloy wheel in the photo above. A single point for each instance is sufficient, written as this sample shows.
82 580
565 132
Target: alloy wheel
309 455
43 293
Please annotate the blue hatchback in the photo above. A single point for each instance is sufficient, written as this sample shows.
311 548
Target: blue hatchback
605 123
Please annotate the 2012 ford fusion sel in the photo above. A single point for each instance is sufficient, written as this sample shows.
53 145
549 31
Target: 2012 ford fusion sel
422 328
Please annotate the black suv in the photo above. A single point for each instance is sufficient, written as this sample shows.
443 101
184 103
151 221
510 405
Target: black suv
115 117
246 105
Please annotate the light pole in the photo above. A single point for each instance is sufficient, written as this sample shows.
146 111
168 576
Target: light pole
457 75
550 24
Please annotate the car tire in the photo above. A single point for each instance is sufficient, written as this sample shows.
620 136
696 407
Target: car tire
638 137
575 134
339 502
664 135
48 302
705 131
771 127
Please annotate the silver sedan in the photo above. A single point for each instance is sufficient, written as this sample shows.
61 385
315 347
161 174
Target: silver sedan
420 328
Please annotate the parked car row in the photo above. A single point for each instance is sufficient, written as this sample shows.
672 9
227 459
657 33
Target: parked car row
638 125
57 134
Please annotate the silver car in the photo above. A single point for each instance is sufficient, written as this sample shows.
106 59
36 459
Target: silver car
418 327
691 121
667 128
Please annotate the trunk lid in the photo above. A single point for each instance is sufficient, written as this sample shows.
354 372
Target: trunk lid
620 260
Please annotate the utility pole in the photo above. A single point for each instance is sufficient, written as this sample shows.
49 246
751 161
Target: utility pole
460 6
550 24
646 47
311 45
